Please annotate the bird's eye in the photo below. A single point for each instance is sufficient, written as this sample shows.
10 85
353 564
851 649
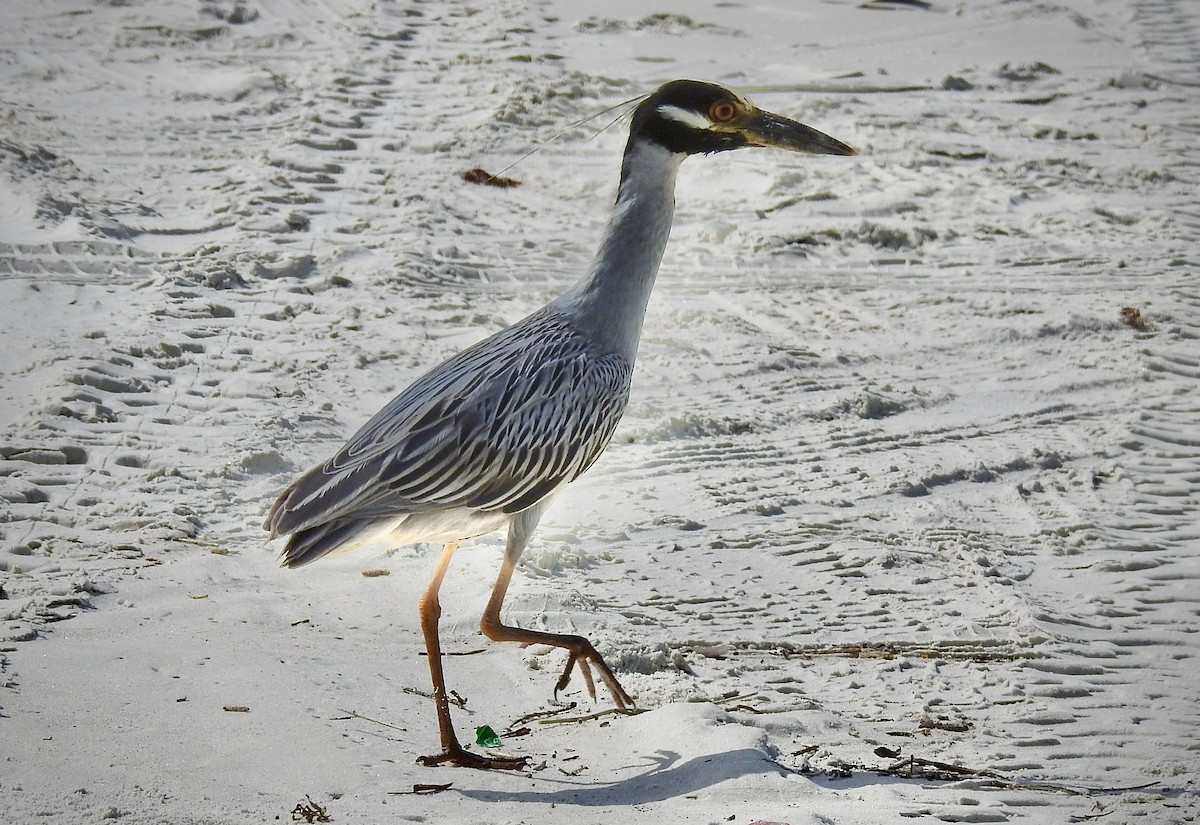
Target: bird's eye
723 111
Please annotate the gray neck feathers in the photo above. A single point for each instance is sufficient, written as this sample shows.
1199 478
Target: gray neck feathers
609 304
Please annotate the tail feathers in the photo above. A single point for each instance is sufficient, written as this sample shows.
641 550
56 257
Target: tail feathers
338 536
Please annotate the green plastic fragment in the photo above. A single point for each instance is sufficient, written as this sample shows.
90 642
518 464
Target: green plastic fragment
485 737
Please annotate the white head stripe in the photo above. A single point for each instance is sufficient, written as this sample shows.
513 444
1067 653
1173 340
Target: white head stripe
685 116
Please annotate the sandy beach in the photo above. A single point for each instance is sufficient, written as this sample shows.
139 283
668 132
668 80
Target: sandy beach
902 521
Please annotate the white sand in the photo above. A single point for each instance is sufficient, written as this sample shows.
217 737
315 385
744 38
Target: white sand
885 406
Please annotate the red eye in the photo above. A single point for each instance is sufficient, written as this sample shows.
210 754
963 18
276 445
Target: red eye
723 112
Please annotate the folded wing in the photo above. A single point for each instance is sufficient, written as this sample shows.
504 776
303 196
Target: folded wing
498 427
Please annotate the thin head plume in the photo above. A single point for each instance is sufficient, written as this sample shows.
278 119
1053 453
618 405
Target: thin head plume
577 124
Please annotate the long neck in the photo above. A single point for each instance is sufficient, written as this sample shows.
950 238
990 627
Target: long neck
609 304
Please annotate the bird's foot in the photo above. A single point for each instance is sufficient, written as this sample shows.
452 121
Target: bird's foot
585 658
465 759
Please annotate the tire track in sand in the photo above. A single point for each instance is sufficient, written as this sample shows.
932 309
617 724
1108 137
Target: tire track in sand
1150 494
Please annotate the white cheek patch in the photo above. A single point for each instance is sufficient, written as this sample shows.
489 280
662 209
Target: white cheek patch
686 116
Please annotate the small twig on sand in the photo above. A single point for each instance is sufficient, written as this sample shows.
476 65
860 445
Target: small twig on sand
736 697
541 714
915 767
453 696
596 715
423 788
355 714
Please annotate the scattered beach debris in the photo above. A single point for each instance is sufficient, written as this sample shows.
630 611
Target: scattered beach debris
485 178
309 811
1132 317
485 737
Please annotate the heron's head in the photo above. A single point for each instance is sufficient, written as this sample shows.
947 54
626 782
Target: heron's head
691 117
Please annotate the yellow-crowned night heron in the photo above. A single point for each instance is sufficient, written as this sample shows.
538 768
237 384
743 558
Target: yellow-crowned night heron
484 440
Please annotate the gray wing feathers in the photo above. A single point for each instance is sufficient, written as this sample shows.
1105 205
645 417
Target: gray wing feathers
497 427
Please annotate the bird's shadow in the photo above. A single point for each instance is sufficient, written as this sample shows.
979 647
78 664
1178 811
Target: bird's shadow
665 777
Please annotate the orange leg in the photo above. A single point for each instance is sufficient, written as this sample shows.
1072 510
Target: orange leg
452 752
580 650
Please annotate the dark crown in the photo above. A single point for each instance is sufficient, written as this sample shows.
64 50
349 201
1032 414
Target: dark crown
690 96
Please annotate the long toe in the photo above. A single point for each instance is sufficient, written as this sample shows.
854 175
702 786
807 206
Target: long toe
465 759
622 699
585 658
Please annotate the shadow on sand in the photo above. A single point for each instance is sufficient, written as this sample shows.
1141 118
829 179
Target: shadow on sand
662 777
